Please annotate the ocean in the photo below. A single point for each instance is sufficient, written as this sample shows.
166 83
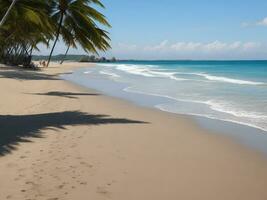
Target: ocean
234 91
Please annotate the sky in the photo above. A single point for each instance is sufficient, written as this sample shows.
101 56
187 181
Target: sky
184 29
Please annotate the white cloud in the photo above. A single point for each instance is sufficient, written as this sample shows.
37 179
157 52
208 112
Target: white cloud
251 45
192 50
183 46
159 47
262 22
235 45
215 46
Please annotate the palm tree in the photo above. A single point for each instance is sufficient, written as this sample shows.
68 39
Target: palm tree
76 21
30 22
27 25
7 13
69 40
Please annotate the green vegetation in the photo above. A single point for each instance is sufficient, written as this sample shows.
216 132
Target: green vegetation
95 59
27 23
77 58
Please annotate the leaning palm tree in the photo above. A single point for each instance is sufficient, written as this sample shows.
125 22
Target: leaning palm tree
69 40
7 12
76 21
90 38
28 24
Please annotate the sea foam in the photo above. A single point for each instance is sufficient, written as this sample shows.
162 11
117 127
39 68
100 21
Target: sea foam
148 71
109 74
198 89
229 80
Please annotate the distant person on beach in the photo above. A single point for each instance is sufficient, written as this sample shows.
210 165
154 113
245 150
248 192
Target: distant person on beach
43 63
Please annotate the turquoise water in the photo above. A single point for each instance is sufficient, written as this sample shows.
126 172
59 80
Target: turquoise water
233 91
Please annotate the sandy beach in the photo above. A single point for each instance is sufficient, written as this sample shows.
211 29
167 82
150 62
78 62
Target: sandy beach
61 141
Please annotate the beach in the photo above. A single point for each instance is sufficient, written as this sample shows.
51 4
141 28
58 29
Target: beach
63 141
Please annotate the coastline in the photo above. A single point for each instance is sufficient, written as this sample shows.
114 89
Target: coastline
127 154
246 134
130 80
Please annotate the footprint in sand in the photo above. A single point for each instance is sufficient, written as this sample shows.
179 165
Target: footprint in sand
102 190
21 175
86 164
23 157
111 182
29 183
82 182
60 187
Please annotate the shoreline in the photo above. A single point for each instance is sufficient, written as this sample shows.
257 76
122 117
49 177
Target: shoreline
254 137
75 143
128 89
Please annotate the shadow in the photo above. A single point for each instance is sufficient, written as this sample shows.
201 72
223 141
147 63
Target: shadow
21 74
15 129
70 95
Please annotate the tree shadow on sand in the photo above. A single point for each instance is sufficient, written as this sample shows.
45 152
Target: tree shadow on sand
70 95
15 129
24 75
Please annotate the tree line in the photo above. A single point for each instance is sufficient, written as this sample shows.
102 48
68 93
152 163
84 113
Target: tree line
27 23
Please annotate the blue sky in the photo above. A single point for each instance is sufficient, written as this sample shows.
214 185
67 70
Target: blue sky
185 29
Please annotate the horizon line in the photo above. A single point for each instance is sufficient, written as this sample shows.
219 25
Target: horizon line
131 59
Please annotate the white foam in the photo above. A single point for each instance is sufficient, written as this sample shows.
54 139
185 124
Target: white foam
130 89
149 71
222 107
223 79
109 74
87 72
146 72
108 65
161 107
170 75
135 69
228 80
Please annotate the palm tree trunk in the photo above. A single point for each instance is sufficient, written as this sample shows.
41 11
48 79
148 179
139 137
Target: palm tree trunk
31 50
57 36
7 13
65 55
